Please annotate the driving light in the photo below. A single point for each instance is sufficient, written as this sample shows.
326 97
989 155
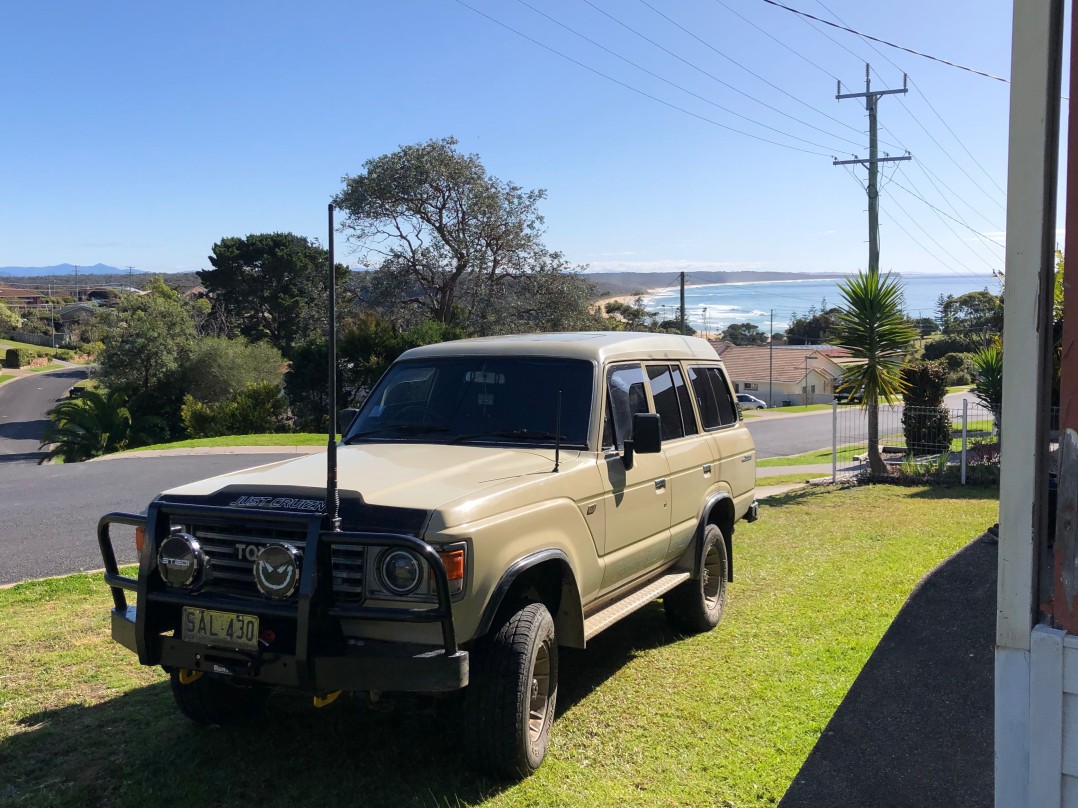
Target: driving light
179 560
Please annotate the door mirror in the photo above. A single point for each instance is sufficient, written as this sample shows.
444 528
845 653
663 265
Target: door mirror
647 437
348 415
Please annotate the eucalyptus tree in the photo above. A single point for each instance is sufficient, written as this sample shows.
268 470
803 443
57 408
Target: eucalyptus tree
872 327
452 243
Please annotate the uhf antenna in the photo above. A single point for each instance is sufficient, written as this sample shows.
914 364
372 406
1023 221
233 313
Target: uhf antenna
333 500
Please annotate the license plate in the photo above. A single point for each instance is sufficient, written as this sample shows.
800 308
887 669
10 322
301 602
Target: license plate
225 629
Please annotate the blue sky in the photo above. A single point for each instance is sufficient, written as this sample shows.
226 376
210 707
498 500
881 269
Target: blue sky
142 135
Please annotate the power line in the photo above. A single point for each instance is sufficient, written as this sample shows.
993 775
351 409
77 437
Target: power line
917 195
888 44
930 236
934 178
636 90
927 101
732 61
683 89
905 106
792 50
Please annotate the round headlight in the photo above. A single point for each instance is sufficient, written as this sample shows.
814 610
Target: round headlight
400 572
179 560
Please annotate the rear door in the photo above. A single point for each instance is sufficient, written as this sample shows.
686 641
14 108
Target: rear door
731 442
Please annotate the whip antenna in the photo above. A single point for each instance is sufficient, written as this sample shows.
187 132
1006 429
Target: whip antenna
333 500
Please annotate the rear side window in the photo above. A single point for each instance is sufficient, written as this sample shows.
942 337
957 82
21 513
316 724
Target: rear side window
713 399
671 401
626 395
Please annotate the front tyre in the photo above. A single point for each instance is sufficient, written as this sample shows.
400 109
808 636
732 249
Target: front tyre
209 700
509 705
696 605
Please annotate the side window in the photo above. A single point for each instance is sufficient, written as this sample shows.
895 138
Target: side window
626 394
709 386
666 401
688 418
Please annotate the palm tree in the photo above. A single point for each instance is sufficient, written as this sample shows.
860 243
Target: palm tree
97 422
872 327
988 379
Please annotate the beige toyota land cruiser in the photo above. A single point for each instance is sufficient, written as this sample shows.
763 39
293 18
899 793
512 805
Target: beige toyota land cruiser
498 498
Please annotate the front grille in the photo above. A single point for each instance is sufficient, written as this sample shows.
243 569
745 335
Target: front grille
348 563
227 572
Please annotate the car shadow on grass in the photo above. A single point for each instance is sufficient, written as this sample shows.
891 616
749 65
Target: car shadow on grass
136 749
916 727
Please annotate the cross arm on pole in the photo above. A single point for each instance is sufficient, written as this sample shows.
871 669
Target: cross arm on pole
864 161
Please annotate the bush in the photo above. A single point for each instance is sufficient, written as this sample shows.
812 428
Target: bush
926 423
938 347
16 358
64 355
257 408
927 429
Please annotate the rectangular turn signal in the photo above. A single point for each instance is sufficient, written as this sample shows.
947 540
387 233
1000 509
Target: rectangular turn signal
453 561
140 539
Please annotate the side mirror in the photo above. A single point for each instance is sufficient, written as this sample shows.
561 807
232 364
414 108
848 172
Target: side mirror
348 415
647 437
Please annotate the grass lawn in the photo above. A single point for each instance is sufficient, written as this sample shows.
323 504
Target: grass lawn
41 349
845 454
645 717
5 376
783 410
50 366
270 439
789 479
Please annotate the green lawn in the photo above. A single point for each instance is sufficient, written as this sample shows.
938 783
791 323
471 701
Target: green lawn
41 349
789 479
845 454
50 366
269 439
645 717
783 410
5 376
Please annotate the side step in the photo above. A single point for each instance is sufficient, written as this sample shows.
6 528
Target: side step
630 602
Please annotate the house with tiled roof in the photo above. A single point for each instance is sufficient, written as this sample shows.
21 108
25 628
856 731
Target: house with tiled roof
797 375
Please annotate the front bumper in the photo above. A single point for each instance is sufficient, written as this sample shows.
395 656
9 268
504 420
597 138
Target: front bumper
316 658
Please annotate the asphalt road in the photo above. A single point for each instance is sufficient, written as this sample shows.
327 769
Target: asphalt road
777 437
23 404
48 514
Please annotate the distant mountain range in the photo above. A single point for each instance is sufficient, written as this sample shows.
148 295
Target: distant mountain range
64 269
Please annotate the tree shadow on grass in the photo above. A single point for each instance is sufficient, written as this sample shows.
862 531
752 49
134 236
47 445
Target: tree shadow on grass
916 727
136 749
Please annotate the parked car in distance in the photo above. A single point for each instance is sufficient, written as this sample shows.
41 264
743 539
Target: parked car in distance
747 402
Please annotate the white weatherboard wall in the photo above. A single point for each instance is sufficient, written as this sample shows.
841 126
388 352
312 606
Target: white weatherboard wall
1053 718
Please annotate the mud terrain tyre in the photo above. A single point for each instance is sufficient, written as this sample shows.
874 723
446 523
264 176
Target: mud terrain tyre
209 700
696 605
509 704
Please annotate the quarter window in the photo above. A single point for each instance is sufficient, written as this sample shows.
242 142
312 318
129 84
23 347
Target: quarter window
712 397
666 401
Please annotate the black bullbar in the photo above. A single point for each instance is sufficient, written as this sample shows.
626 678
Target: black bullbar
321 661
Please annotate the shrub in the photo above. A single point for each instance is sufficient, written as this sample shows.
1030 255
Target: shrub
65 355
18 357
257 408
926 423
938 347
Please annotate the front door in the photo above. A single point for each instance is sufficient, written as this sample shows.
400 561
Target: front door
636 500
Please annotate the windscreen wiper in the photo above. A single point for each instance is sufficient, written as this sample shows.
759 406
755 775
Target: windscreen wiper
399 429
514 434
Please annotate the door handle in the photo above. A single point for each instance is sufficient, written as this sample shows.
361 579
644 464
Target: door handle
660 484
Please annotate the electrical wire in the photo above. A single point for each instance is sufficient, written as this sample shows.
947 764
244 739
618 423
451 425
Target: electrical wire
729 59
636 90
918 195
683 89
885 42
766 33
930 236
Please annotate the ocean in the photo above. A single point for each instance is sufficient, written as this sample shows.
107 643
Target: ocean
712 307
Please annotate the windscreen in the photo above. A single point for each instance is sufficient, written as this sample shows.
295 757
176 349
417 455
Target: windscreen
481 399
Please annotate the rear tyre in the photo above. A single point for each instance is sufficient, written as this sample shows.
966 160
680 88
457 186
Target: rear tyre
696 605
209 700
509 704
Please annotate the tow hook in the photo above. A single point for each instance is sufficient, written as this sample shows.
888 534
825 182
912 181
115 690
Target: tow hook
326 700
188 677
